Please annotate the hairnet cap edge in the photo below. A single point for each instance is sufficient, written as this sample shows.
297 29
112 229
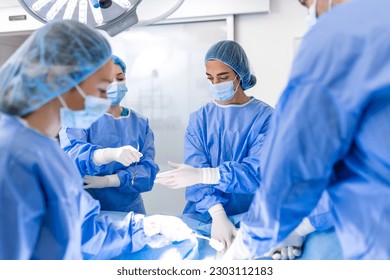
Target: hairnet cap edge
118 61
252 78
64 90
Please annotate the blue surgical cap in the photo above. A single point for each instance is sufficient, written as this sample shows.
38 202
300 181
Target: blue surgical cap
54 59
119 62
233 55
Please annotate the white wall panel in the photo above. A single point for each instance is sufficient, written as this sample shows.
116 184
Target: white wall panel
8 26
201 8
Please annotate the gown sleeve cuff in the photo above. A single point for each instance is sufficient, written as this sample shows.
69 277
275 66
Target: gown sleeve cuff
113 180
305 227
210 175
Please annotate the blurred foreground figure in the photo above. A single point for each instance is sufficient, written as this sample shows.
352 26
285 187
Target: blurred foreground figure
330 134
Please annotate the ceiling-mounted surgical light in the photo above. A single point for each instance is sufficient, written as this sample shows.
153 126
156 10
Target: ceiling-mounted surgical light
37 6
123 3
105 4
83 11
70 9
57 6
113 16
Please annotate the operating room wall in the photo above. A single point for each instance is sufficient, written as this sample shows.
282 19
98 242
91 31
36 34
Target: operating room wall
270 41
8 45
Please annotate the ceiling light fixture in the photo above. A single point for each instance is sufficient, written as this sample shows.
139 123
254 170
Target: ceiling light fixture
113 16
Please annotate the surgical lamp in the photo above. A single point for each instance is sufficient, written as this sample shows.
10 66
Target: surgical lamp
113 16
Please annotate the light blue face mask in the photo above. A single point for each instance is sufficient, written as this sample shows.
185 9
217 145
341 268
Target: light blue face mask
116 91
94 108
223 91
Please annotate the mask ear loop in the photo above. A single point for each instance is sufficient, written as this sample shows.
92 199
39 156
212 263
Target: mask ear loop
80 91
62 101
330 4
238 83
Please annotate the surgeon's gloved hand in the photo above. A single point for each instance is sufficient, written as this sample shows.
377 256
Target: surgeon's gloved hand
222 229
91 182
291 247
171 228
125 155
238 250
185 175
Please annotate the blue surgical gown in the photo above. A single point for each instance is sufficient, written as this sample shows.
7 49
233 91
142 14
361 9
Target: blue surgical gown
330 132
230 138
45 212
109 132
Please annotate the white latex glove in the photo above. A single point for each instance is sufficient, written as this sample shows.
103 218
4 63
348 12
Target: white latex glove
173 228
185 175
101 181
237 251
291 247
222 229
125 155
158 241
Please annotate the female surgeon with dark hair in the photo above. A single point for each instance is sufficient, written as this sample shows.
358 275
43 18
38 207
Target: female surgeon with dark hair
223 144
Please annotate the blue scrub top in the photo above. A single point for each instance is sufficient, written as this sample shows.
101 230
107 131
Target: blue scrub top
109 132
45 213
330 131
231 138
